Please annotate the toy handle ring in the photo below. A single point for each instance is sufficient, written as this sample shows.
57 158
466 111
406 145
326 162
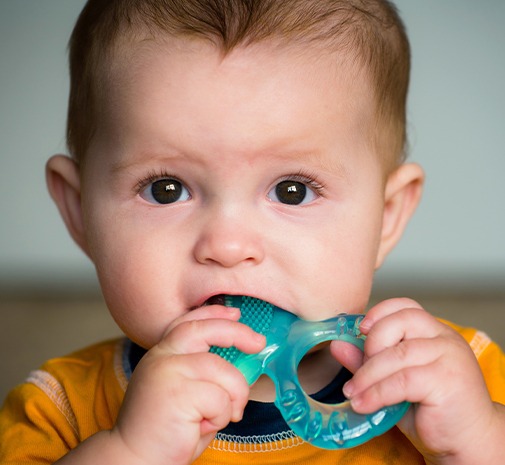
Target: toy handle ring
329 426
288 339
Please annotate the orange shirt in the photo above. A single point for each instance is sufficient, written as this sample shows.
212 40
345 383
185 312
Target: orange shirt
71 398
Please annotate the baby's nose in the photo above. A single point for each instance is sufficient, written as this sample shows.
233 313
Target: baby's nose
229 242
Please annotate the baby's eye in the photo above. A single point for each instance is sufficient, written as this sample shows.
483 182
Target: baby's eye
292 193
165 191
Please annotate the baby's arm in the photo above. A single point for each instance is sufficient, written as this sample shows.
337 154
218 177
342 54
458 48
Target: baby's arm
410 355
179 396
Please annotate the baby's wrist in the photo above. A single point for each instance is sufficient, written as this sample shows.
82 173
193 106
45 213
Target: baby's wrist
104 447
487 447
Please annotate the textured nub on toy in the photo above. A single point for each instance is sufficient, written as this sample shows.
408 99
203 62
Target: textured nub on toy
255 313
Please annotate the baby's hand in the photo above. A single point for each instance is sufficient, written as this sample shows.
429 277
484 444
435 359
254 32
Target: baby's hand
410 355
180 395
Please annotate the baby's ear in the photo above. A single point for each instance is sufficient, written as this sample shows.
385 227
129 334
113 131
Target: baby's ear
64 185
402 195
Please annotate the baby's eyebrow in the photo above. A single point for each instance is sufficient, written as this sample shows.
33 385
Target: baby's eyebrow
312 160
142 159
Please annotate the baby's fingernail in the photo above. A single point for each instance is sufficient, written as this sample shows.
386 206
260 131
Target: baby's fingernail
348 389
356 402
365 325
259 338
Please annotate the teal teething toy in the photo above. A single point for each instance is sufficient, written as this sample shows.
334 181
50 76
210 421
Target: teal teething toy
288 339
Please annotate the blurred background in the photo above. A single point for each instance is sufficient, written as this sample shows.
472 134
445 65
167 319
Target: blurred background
452 257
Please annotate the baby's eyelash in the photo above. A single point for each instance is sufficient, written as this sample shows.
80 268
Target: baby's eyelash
307 178
151 177
301 176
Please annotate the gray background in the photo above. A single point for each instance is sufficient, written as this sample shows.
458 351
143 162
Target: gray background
456 124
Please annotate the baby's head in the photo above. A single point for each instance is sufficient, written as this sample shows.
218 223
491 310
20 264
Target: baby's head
235 147
366 35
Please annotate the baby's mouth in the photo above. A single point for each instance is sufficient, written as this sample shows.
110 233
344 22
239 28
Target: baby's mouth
215 300
218 299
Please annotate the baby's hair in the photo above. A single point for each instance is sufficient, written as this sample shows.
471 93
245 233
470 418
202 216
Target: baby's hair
369 32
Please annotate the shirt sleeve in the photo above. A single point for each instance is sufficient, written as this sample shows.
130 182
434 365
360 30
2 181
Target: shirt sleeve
490 357
492 362
34 428
63 403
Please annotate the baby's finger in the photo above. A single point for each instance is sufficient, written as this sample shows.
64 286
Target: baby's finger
412 384
347 355
212 406
213 369
405 324
206 313
172 374
200 334
387 363
384 309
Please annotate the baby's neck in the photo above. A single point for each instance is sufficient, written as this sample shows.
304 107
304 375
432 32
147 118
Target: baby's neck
316 371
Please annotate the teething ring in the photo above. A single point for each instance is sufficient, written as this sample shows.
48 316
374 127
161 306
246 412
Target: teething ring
329 426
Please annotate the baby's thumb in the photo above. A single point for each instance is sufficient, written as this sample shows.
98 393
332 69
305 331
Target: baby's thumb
348 355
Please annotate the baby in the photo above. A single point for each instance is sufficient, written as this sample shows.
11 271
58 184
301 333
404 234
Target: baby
244 147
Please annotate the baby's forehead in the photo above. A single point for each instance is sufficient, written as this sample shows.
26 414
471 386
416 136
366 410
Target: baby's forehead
128 56
175 55
348 36
142 71
251 102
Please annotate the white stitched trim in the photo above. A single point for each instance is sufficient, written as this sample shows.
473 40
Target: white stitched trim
54 390
479 343
253 444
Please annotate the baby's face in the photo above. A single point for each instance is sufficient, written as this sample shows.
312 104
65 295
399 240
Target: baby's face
253 174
